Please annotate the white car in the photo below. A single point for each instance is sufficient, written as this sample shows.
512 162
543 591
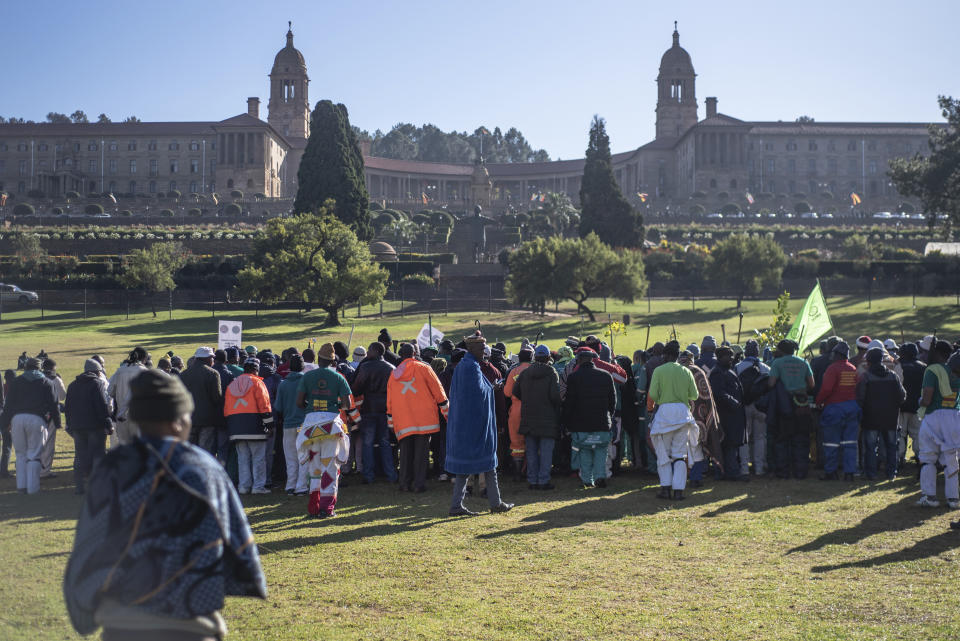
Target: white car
827 216
883 215
13 294
917 217
715 214
809 215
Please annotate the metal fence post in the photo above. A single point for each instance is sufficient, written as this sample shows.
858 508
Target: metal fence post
84 303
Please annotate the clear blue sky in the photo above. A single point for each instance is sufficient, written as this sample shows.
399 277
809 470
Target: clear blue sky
544 66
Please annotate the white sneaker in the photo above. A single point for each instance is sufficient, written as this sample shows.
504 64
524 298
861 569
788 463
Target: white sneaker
260 490
243 491
953 504
926 501
443 477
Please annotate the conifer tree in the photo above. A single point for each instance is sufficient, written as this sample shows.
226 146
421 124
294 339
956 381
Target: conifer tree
332 168
604 209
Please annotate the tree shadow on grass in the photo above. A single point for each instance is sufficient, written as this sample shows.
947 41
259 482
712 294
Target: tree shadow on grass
925 549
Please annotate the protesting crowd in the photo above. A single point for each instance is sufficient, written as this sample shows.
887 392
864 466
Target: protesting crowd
184 436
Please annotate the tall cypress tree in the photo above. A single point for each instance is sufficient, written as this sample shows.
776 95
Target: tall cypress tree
332 168
604 210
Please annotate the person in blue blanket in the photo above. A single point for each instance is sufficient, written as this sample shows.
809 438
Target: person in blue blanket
162 537
472 430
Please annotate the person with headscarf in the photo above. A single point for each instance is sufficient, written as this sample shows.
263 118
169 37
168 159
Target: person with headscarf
673 431
162 538
879 394
119 390
707 359
472 429
940 426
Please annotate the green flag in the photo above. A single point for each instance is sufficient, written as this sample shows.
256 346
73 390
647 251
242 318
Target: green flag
812 322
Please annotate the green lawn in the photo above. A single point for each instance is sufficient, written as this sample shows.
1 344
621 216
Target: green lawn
69 338
767 560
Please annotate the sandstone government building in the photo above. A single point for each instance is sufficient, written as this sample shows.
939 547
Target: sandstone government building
717 154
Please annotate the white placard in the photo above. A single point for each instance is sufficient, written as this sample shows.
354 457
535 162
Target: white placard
424 338
229 333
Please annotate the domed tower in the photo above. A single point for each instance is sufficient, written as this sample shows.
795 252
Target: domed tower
676 91
289 106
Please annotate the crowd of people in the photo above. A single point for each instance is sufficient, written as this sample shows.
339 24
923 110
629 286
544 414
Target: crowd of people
186 439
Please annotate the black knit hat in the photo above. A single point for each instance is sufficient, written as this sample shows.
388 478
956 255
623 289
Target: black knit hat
156 396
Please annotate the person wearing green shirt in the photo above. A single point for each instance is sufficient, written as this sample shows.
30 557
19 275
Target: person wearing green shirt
790 415
673 431
325 389
940 428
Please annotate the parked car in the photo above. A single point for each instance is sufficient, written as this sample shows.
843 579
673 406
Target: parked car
715 214
13 294
827 216
808 215
917 217
883 215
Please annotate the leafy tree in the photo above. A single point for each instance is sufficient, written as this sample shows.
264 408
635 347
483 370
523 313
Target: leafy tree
79 117
574 269
58 118
935 179
780 325
805 119
604 209
747 263
315 259
858 247
332 168
102 118
131 119
151 270
30 254
428 142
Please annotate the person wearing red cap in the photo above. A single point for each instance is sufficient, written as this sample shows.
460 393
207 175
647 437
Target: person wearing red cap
863 344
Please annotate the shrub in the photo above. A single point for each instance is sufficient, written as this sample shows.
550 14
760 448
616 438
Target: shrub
723 195
92 209
697 210
418 279
523 217
93 195
827 195
442 219
781 196
125 212
23 209
260 195
194 211
382 220
237 194
809 253
71 195
167 213
420 219
232 209
375 206
801 207
173 193
699 194
56 211
730 209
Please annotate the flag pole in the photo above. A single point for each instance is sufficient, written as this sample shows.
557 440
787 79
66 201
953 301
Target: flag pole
739 328
430 325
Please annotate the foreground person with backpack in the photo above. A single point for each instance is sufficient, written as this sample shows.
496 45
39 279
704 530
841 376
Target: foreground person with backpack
753 378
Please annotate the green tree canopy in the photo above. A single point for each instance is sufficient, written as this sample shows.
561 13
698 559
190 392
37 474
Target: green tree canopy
29 252
151 270
747 263
79 117
935 179
332 168
315 259
103 118
430 143
56 117
574 269
604 210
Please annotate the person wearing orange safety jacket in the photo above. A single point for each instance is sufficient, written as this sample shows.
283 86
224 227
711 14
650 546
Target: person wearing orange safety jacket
415 400
246 406
518 446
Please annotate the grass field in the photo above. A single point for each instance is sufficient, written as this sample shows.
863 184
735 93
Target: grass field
764 560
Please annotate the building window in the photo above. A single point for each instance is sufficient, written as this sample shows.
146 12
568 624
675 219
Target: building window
771 165
132 145
213 166
113 186
193 187
194 145
812 165
21 146
23 167
133 166
153 167
194 166
152 145
113 145
76 146
872 145
132 187
92 166
91 146
42 165
832 166
852 166
872 167
21 187
791 165
174 166
831 145
768 146
713 183
249 183
174 146
113 165
42 147
852 145
812 145
153 187
173 185
733 184
68 162
791 145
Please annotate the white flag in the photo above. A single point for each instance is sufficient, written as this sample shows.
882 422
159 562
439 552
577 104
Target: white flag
230 333
424 339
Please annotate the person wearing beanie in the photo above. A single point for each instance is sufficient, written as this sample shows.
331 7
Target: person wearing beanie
87 411
909 425
387 342
472 429
290 418
729 399
693 349
203 383
924 345
249 415
517 441
753 375
31 407
233 361
131 571
840 415
359 353
673 430
370 390
119 390
415 403
707 359
940 426
601 348
342 365
879 395
536 391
